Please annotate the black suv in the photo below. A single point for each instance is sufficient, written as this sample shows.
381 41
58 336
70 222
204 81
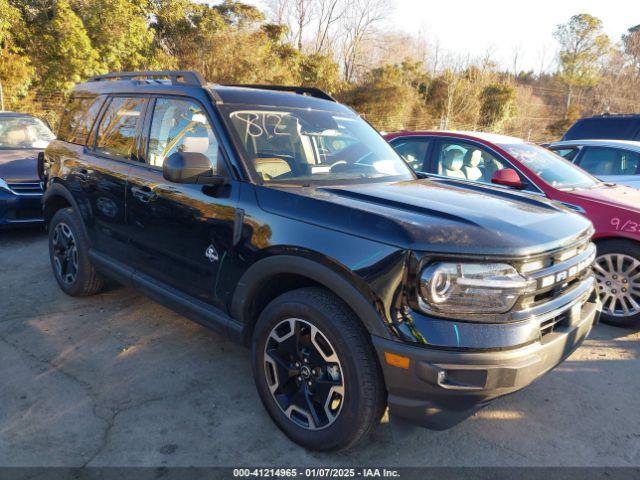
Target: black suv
607 127
280 218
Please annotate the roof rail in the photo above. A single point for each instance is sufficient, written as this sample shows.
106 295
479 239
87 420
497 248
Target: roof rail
616 115
182 77
310 91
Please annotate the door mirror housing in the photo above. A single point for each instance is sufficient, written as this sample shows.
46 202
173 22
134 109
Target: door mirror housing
190 167
507 177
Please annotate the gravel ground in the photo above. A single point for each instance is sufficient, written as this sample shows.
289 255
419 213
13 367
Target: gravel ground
118 380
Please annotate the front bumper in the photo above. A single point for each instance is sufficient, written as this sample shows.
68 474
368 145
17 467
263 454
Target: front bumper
20 210
442 387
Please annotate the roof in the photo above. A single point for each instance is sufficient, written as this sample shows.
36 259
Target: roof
232 94
628 144
485 136
15 114
237 94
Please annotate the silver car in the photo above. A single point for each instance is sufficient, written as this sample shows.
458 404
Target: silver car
615 161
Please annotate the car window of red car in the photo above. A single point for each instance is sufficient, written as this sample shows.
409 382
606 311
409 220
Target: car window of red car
412 150
466 161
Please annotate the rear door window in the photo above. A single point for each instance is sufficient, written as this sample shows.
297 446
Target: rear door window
119 127
77 120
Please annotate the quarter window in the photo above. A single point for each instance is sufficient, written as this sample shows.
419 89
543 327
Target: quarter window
119 127
77 119
181 126
568 153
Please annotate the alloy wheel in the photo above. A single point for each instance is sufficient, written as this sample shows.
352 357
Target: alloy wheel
304 374
65 253
618 277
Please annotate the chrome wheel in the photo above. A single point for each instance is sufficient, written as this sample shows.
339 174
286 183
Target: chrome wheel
618 277
304 374
65 253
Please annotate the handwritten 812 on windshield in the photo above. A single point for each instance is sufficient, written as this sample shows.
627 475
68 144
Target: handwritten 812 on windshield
315 473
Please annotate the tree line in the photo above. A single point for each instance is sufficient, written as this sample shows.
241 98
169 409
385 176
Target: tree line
396 81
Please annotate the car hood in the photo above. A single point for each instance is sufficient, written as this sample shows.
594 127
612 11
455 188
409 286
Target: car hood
424 215
612 195
19 165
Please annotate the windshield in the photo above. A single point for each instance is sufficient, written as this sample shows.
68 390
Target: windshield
24 132
552 168
291 145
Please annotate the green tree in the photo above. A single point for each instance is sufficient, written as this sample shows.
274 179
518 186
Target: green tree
63 52
389 96
318 70
498 105
583 44
16 72
124 42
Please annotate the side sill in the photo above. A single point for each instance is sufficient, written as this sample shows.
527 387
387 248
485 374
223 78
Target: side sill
192 308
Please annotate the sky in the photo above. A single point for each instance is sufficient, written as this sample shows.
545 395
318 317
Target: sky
475 26
504 26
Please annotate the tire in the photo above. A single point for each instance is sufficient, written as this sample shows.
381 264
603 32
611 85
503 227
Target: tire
621 280
352 410
69 256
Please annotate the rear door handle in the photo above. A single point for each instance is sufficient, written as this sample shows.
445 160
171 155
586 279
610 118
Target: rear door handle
144 194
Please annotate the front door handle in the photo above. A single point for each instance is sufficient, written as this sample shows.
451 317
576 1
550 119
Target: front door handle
144 194
83 174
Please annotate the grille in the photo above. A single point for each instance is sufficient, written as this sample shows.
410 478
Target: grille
26 188
560 273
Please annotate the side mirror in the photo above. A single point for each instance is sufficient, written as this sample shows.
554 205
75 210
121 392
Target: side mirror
190 167
507 177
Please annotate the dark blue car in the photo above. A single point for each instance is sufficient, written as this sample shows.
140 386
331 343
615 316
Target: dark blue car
22 137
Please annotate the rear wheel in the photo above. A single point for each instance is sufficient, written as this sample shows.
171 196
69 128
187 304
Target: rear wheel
69 254
316 371
617 270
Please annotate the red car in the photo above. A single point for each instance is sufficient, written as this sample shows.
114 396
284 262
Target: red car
509 162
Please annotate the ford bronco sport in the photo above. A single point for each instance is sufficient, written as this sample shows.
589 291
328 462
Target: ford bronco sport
280 218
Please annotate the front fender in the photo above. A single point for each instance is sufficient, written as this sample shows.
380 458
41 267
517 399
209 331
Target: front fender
364 302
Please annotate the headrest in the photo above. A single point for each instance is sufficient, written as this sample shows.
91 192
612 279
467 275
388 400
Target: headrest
195 144
453 160
473 158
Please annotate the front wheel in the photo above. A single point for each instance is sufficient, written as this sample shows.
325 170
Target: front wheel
617 270
316 371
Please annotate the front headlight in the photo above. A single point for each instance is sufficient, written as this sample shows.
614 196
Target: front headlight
4 186
476 288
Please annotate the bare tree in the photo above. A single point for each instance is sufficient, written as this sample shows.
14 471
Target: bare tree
359 23
516 55
328 13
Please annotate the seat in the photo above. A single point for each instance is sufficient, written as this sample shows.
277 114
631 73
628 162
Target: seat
271 167
453 163
472 160
15 136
